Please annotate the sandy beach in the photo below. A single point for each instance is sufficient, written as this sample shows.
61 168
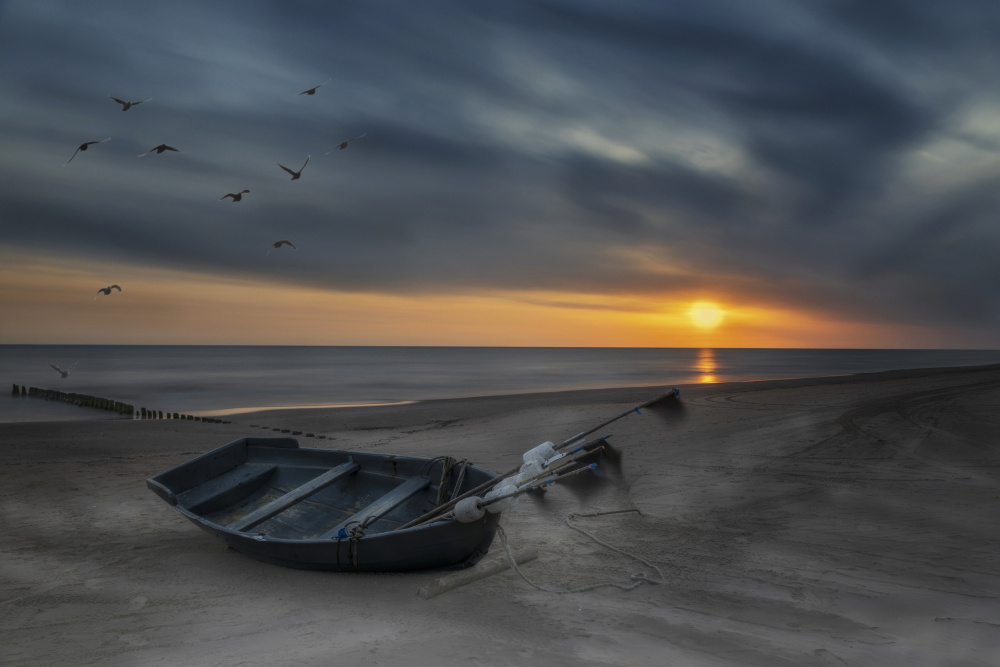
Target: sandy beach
836 521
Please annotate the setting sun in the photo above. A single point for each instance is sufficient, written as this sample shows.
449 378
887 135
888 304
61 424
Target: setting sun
706 315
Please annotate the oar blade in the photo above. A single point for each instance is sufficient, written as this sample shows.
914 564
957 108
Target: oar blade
668 408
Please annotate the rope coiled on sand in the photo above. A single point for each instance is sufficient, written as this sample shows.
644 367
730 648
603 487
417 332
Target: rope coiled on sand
638 579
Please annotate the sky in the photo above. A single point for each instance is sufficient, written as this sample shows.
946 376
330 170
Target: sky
738 173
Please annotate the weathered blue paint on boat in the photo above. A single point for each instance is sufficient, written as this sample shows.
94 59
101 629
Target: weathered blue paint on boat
326 509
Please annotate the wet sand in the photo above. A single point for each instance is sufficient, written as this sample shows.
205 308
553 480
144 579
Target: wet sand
837 521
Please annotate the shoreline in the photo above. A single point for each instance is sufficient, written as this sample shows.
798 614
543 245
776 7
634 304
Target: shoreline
96 414
812 521
179 380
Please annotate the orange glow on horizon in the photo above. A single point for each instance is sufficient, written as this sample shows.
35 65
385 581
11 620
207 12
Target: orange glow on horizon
50 300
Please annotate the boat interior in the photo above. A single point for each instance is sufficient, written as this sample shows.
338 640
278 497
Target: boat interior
271 487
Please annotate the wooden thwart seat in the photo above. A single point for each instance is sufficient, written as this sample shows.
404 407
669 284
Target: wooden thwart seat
382 506
227 484
296 495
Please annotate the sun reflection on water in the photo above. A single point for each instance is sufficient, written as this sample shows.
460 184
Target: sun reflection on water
706 365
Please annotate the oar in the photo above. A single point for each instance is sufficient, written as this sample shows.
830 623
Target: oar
441 509
671 395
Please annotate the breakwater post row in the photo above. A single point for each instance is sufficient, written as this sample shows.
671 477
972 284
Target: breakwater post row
99 403
84 400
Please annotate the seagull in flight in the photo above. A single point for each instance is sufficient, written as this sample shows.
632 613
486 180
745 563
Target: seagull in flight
343 144
63 373
295 174
312 91
127 105
84 146
159 149
235 195
278 244
107 290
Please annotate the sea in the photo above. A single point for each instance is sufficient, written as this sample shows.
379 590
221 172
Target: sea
221 380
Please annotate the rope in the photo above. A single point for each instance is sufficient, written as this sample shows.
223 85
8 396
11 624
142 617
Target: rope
461 478
430 462
638 579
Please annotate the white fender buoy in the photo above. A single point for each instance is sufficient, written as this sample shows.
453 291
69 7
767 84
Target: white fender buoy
469 509
530 469
544 452
504 504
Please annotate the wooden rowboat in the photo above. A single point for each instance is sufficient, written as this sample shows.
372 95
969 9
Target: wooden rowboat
328 509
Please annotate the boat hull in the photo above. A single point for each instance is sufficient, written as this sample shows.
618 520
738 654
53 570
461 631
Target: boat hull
434 546
321 509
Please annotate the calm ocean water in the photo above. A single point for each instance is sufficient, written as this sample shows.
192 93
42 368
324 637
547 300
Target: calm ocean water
210 379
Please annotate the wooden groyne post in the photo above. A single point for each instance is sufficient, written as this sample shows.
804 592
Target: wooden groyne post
124 409
83 400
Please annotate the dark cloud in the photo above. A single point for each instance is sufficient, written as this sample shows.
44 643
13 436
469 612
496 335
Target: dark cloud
621 197
808 110
927 25
756 148
944 262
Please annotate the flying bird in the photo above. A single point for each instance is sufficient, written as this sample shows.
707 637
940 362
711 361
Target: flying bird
312 91
107 290
343 144
127 105
278 244
159 149
295 174
63 373
235 195
84 146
